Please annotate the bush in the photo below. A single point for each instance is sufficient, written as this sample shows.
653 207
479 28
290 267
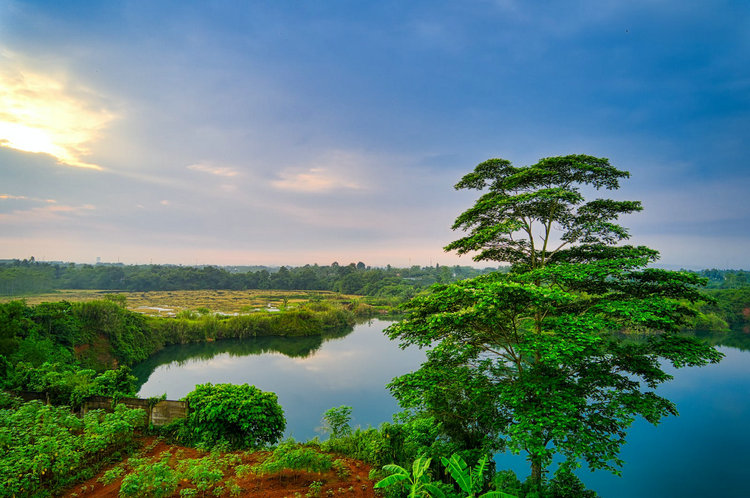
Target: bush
239 416
151 479
291 456
336 421
44 448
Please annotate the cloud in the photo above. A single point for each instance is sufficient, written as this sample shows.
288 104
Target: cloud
48 113
331 171
312 180
214 170
25 198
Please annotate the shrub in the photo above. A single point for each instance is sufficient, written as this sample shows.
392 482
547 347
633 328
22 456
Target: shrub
150 479
241 416
336 421
44 448
291 456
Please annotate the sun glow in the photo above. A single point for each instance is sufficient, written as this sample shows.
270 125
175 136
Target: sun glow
46 114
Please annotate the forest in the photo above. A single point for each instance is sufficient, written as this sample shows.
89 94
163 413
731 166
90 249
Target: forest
19 277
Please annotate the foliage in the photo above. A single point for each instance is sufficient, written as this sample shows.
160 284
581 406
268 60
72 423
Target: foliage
315 489
44 448
19 278
400 442
726 279
417 482
68 385
150 479
336 421
204 473
471 481
731 305
58 348
111 475
530 360
156 477
291 456
240 416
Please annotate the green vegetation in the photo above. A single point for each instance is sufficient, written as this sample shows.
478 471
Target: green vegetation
417 483
233 416
45 448
729 305
47 345
528 360
68 385
289 455
160 476
384 285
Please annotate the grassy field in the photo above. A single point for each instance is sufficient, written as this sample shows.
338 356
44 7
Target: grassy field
168 303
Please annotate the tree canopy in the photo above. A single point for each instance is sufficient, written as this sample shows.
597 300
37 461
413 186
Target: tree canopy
564 352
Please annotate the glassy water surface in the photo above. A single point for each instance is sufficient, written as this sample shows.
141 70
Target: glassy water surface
703 452
308 374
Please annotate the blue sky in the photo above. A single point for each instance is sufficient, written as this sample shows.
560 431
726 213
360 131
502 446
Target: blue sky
311 132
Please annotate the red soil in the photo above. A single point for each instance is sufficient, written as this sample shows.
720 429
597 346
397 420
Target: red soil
286 484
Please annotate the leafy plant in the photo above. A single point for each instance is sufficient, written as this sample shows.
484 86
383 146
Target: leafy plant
44 447
204 473
150 479
241 416
339 466
471 481
111 475
336 421
417 482
315 488
289 455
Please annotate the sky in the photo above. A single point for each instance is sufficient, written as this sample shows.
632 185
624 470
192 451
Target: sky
301 132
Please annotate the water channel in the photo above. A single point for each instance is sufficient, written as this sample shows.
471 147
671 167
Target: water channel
703 452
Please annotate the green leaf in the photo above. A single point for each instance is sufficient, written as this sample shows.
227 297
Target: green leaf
458 469
434 491
390 480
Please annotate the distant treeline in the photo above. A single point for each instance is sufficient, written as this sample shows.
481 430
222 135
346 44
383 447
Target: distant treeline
726 279
21 277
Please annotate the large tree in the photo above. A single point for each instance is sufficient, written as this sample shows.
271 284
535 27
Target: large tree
564 351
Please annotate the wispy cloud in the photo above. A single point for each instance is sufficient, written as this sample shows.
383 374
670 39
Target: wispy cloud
333 170
48 113
25 198
312 180
213 169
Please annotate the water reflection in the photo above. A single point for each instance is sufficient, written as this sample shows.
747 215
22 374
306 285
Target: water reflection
309 374
185 354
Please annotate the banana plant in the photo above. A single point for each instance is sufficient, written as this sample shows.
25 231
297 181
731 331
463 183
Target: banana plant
418 482
470 480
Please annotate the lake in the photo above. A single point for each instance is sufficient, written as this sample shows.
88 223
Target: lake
703 452
308 374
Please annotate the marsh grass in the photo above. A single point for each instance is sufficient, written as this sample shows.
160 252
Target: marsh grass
169 303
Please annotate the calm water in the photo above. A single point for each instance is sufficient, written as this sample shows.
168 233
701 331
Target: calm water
309 375
703 452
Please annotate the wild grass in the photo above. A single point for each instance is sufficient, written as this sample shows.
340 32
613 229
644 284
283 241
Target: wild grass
169 303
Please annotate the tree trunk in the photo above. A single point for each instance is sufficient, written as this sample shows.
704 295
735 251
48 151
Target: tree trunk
536 473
